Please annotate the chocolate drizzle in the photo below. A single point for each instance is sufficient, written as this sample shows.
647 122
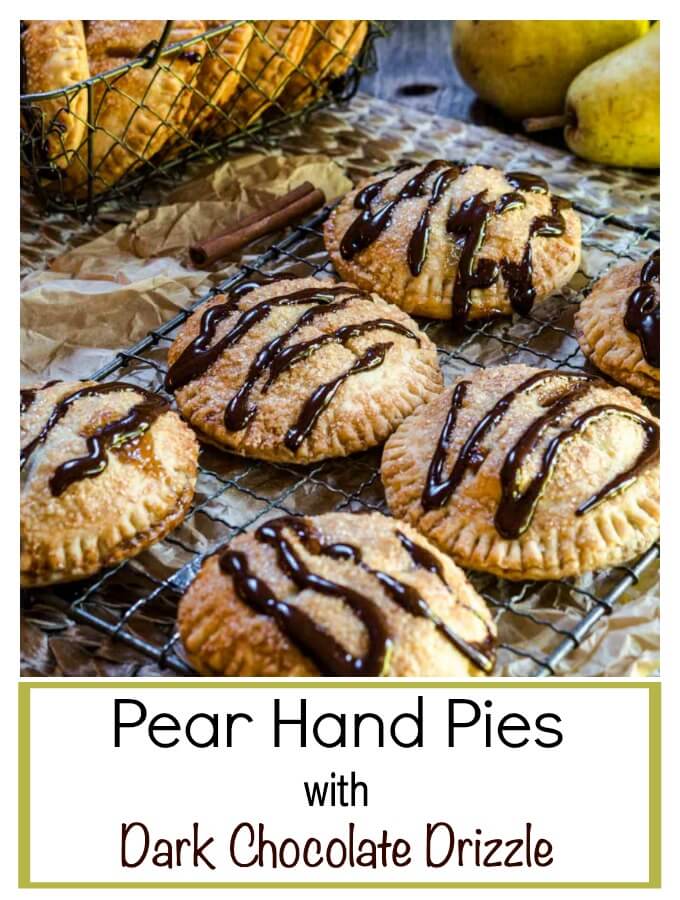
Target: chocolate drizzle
468 223
368 226
643 310
516 507
112 435
28 395
371 358
108 437
199 355
314 640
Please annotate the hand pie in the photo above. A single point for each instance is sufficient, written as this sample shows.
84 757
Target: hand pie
455 241
56 57
340 594
332 47
300 370
276 48
107 470
137 112
219 74
529 473
618 325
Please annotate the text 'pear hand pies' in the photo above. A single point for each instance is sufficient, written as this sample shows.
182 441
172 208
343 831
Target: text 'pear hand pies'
300 370
107 470
455 241
529 473
618 324
339 594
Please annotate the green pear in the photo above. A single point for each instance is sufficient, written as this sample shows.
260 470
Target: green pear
524 67
613 107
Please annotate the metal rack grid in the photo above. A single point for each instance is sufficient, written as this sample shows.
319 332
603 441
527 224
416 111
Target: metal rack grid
49 176
539 624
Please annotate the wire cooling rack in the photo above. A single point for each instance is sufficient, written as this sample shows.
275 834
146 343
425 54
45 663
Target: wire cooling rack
539 624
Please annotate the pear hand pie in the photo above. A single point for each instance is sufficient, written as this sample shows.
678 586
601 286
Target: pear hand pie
448 240
106 470
618 324
339 594
300 370
56 57
529 473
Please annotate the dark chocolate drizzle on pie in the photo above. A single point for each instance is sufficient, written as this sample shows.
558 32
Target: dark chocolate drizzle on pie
643 310
109 436
516 507
313 639
468 223
312 408
200 354
28 395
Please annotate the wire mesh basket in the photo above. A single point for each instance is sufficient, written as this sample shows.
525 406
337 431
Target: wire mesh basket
539 624
102 138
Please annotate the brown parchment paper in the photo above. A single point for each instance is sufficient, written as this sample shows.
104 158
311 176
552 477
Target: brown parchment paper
91 289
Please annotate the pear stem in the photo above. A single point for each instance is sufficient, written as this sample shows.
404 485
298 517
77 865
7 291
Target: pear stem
544 123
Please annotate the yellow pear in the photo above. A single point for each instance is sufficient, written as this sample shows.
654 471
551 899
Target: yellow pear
524 67
613 107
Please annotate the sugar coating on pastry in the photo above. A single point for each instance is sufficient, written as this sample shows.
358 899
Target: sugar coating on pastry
331 50
529 473
338 594
276 49
300 370
458 241
138 112
106 470
618 324
56 57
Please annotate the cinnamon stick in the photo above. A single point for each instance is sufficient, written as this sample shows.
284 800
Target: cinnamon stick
273 216
544 123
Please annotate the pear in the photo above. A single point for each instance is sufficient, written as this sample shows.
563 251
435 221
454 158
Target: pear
612 107
524 67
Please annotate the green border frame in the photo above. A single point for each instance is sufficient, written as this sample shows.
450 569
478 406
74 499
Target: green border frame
654 732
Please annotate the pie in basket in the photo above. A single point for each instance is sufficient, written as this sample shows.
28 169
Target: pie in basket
529 473
300 370
332 47
276 49
338 594
219 74
55 57
455 241
136 112
106 470
618 324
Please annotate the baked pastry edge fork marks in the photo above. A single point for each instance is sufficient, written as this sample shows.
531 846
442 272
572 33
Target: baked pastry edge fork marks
81 512
299 596
558 476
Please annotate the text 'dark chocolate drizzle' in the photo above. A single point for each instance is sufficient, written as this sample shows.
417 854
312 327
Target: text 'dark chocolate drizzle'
111 435
313 639
468 224
643 310
516 506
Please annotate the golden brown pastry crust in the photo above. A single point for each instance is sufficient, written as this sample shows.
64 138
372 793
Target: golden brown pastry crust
276 48
384 267
333 45
143 492
367 405
219 75
138 112
223 635
603 336
56 57
557 543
